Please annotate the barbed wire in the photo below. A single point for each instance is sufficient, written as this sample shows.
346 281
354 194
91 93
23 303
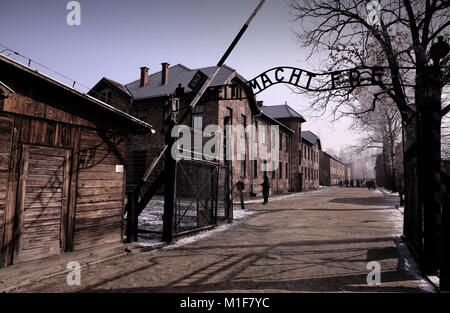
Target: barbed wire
30 62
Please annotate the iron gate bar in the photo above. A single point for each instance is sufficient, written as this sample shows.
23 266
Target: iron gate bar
197 197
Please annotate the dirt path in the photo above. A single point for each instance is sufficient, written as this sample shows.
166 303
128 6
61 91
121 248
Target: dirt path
320 241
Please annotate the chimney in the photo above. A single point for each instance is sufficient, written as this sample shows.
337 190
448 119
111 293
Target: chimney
260 103
165 73
144 76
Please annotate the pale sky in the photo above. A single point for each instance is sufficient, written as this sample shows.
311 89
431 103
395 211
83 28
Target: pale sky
116 38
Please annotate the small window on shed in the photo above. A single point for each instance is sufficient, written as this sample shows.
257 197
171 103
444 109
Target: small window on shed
142 114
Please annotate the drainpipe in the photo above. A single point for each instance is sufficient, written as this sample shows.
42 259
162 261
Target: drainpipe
290 163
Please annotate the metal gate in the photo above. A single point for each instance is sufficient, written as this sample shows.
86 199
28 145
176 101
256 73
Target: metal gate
201 195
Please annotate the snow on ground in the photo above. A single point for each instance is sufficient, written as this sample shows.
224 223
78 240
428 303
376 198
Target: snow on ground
239 215
151 218
388 192
409 264
285 196
428 284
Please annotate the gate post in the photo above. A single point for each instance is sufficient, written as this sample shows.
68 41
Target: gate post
170 172
444 277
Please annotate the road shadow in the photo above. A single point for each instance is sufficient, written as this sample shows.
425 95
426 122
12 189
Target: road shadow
370 201
296 266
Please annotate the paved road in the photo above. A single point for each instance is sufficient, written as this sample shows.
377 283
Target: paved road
319 241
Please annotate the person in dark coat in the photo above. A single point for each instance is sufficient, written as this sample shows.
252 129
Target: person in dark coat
265 189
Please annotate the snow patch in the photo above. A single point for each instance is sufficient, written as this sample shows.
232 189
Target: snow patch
411 267
286 196
239 216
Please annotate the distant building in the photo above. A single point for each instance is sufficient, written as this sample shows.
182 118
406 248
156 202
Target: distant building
292 119
349 172
310 160
332 171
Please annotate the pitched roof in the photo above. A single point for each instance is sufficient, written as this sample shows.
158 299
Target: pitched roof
118 85
178 74
276 121
98 103
332 157
282 111
112 83
310 137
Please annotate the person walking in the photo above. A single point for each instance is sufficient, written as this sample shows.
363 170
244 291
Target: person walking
265 189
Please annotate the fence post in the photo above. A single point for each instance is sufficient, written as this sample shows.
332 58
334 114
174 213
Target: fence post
444 277
170 172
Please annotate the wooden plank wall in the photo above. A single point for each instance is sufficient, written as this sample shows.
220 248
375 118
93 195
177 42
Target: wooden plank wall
97 191
100 192
43 185
5 147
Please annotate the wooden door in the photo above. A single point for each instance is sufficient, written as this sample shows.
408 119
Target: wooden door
42 203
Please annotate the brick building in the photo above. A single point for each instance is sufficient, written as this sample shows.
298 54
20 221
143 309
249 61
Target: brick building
224 103
310 161
292 119
331 170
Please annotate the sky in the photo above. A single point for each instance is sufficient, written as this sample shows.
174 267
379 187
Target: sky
116 38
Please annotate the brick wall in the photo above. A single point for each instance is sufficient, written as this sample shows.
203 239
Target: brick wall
296 151
331 171
310 165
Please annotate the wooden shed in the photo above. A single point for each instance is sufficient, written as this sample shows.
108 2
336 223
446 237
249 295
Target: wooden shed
63 157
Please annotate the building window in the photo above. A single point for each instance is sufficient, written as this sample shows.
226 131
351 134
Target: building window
255 168
106 96
286 171
236 92
281 142
142 114
272 140
287 146
244 125
243 166
280 166
197 117
299 157
273 169
264 134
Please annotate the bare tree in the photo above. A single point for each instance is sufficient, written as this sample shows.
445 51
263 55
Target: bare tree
342 26
381 129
